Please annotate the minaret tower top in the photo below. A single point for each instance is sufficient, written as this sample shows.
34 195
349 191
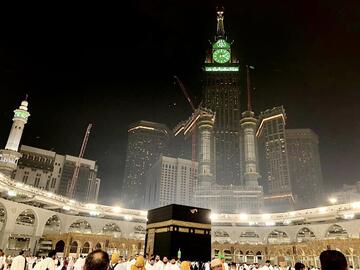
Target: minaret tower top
9 156
20 118
220 30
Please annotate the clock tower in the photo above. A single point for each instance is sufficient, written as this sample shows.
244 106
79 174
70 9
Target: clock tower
222 95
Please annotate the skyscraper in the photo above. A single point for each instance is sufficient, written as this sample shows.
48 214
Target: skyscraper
170 180
147 141
222 96
274 161
305 169
9 156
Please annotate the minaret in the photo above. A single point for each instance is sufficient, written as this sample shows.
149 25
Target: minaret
248 125
10 155
206 145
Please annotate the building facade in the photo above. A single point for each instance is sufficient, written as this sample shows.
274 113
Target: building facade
274 161
170 181
305 169
50 171
147 141
222 96
74 228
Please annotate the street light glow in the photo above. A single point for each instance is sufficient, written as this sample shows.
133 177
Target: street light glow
116 209
11 193
333 200
244 216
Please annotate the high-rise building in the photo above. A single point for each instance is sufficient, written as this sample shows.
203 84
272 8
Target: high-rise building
84 190
147 141
274 161
170 180
9 156
50 171
305 169
222 96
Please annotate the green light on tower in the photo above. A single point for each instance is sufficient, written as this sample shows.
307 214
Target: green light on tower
21 114
223 69
221 44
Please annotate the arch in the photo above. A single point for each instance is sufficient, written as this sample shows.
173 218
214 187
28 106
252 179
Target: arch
81 226
336 231
60 246
74 247
250 256
227 254
259 256
27 218
111 229
3 216
85 248
53 224
304 235
278 237
239 256
98 246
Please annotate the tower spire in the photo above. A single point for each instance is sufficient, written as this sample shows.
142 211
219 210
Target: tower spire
248 89
220 30
248 84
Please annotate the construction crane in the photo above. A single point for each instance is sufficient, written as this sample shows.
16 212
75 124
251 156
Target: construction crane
185 92
72 184
193 143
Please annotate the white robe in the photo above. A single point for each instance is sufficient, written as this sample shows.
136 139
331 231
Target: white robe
174 266
150 267
79 264
159 265
18 263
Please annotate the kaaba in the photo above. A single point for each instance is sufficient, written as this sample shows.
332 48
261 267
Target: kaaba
176 227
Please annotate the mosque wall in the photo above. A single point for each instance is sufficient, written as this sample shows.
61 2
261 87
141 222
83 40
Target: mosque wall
80 234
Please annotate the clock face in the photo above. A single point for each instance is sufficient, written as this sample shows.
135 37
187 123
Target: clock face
221 56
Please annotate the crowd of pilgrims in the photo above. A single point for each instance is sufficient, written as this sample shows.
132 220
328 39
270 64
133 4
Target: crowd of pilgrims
100 260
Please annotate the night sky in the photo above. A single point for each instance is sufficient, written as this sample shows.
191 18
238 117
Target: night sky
306 54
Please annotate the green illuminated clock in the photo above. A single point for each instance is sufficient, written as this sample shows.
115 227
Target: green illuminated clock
221 56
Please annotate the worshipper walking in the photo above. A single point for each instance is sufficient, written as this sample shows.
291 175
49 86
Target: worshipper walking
158 263
18 262
79 264
2 260
48 263
115 263
151 264
267 266
139 264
